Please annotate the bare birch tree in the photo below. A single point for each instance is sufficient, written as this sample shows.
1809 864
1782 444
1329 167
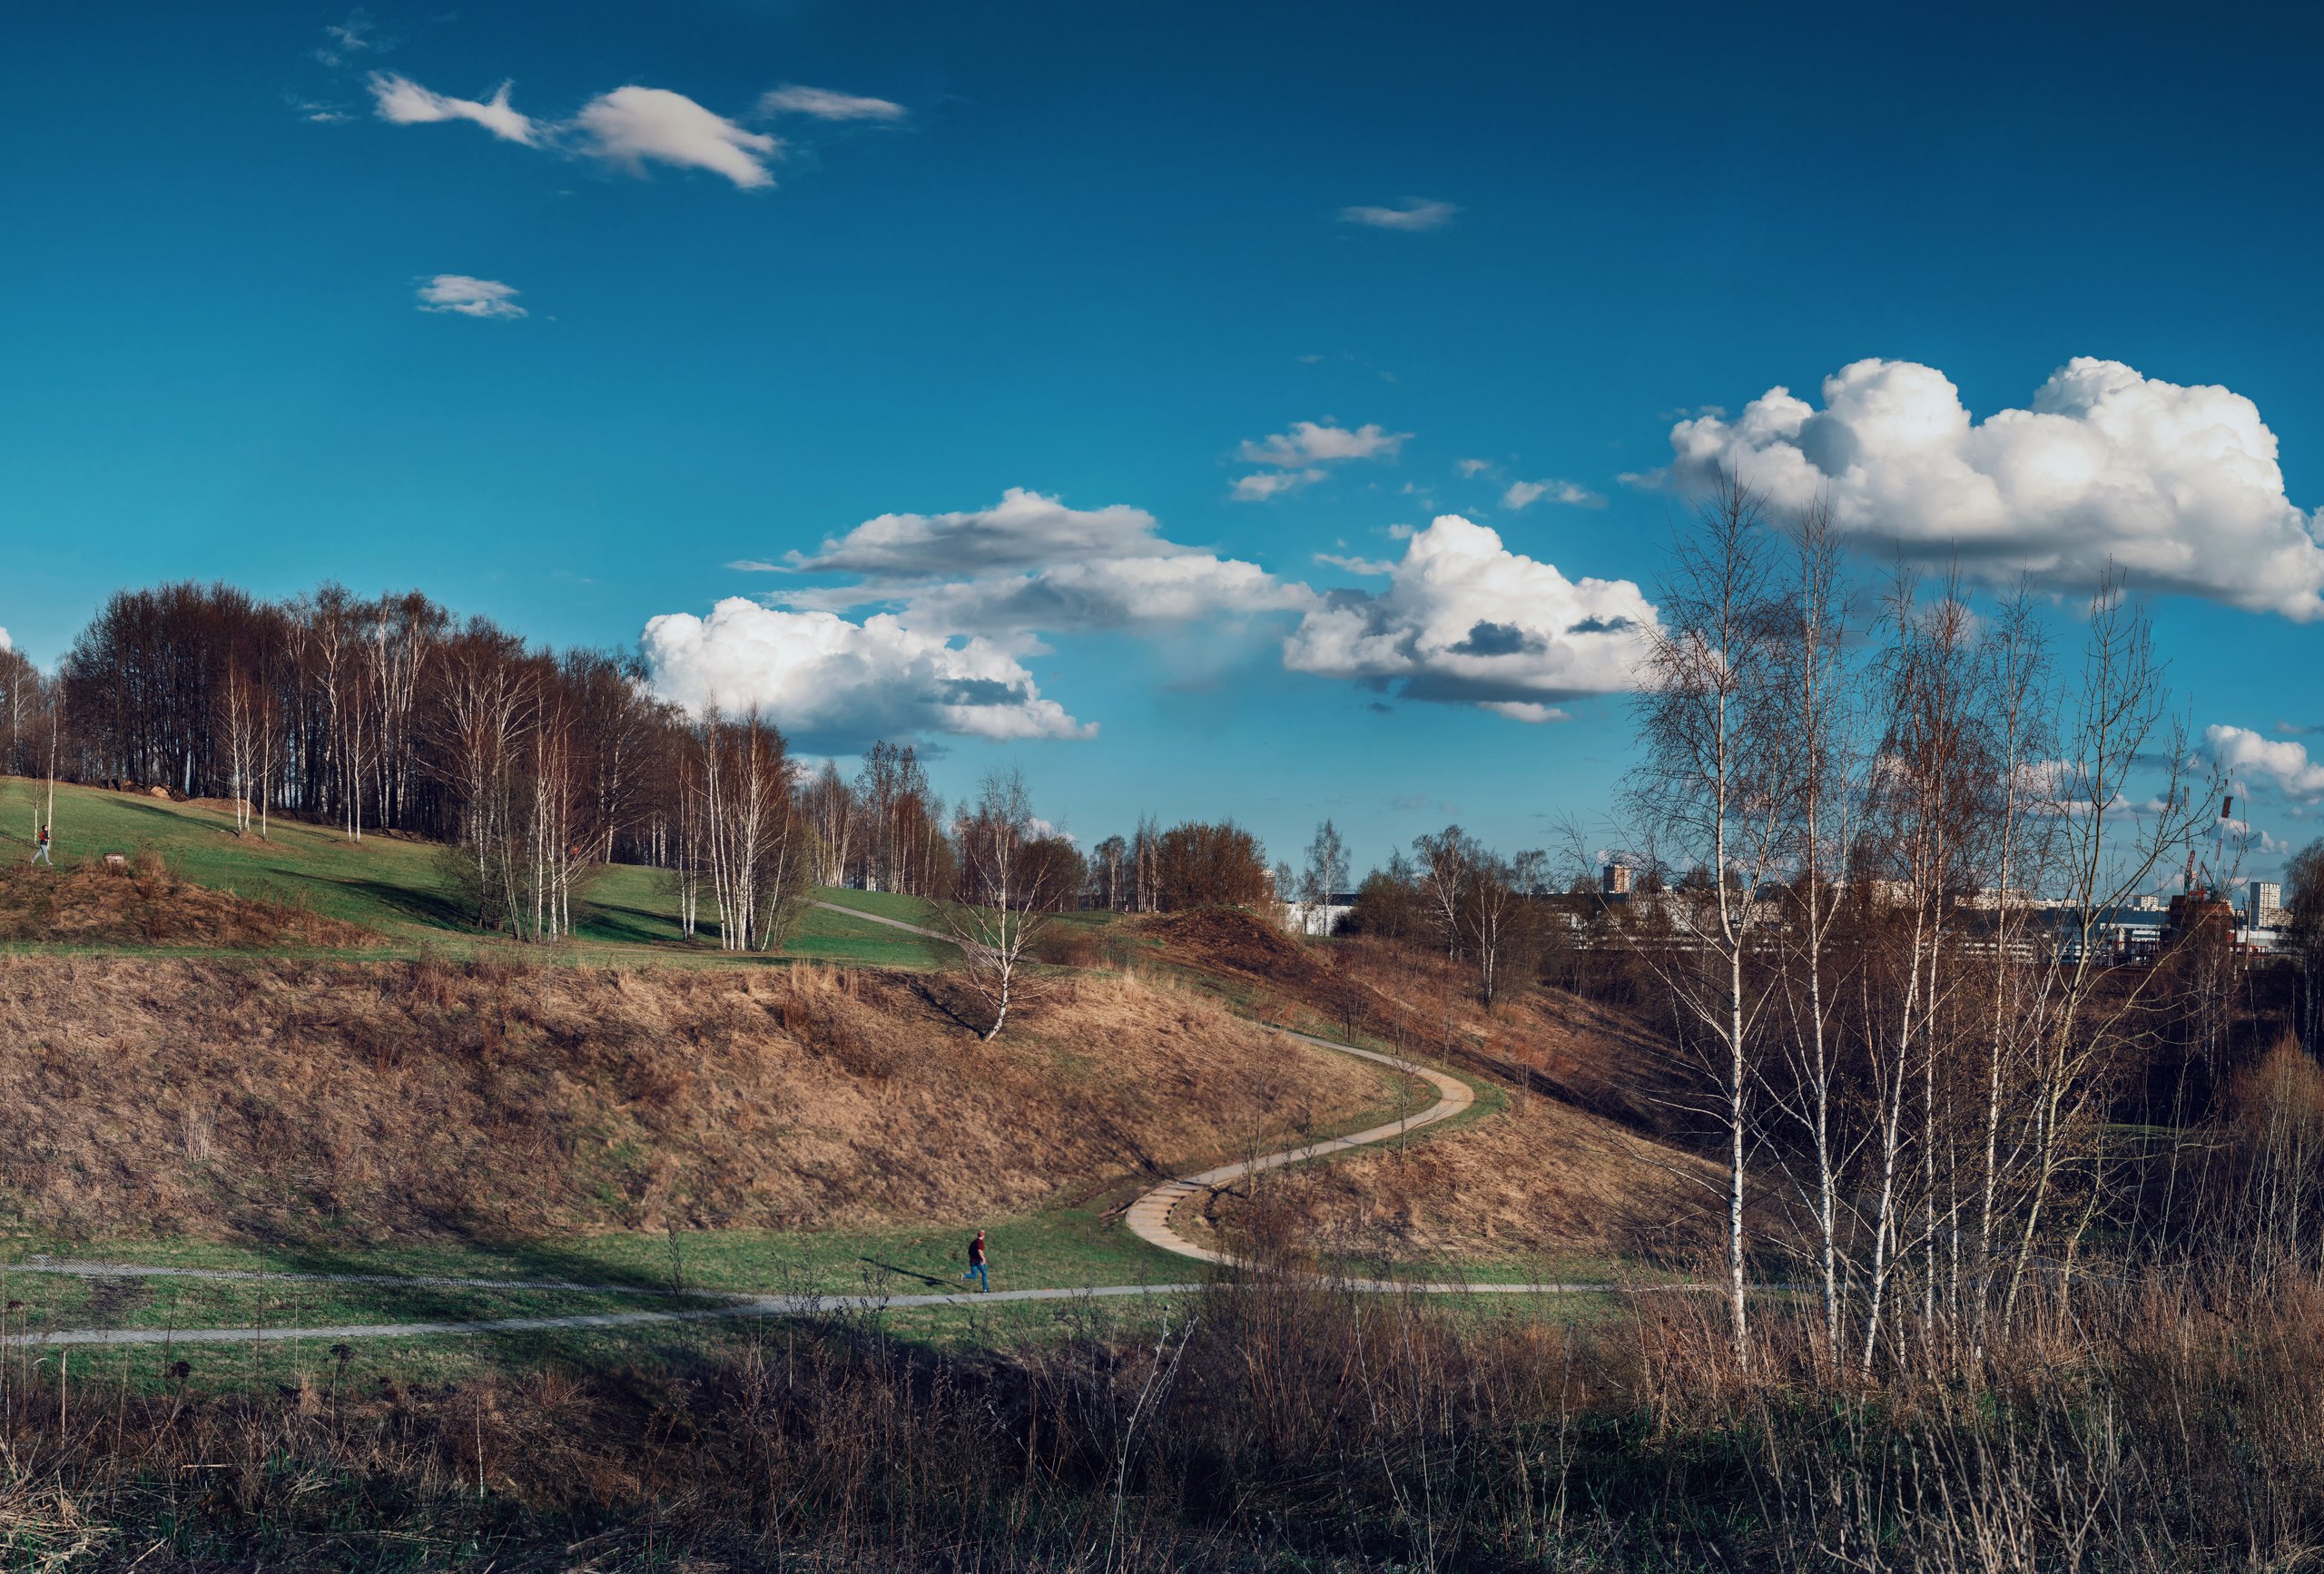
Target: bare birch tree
1005 896
1702 788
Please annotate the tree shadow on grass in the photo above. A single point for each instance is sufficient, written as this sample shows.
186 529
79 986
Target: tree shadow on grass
431 908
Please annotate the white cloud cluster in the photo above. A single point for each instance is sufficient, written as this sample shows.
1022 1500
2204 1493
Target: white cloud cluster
467 297
1299 454
403 102
1464 620
633 126
1525 494
822 104
2179 486
1030 563
964 596
2251 757
836 686
1414 213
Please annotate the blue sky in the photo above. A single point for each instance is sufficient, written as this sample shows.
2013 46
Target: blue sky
1115 260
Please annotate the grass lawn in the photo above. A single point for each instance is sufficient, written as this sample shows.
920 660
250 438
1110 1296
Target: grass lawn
397 886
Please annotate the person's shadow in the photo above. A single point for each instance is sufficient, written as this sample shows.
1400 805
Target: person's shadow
907 1273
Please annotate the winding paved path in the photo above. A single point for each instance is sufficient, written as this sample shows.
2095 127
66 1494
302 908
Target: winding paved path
1149 1219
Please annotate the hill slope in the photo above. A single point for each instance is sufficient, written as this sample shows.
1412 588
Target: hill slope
274 1098
397 885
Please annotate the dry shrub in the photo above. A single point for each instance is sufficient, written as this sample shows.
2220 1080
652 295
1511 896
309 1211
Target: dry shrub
1068 945
1282 1423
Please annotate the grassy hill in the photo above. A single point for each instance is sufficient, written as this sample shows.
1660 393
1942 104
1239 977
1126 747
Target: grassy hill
397 885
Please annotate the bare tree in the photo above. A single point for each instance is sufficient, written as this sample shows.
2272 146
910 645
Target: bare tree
752 844
1005 896
1703 786
1326 871
1812 721
1445 862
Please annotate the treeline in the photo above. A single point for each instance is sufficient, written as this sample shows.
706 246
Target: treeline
533 767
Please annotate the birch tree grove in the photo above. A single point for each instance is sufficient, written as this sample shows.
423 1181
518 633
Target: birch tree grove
753 846
1890 960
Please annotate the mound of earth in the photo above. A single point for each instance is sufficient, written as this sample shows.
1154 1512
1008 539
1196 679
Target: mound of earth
1229 940
140 902
275 1098
1542 1178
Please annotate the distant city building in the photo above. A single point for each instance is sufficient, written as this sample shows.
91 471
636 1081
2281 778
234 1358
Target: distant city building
2266 904
1618 880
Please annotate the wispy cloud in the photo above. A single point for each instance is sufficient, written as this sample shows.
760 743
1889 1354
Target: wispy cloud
1261 485
1299 453
1311 442
403 102
822 104
344 40
464 297
1416 214
1525 494
1363 565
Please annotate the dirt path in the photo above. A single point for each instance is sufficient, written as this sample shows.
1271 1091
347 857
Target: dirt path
892 924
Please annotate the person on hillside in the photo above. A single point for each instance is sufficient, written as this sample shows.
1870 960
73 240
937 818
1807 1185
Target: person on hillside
40 849
976 1265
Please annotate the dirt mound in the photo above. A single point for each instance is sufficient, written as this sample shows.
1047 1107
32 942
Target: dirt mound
277 1099
1544 1178
140 901
1227 938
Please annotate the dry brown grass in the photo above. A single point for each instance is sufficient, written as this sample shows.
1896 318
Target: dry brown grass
213 1097
142 902
1542 1179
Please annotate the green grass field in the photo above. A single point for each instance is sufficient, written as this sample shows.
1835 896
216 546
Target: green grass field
397 886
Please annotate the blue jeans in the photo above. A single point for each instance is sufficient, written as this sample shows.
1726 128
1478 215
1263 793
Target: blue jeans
976 1271
40 855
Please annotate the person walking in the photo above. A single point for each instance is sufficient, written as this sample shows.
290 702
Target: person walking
40 849
976 1265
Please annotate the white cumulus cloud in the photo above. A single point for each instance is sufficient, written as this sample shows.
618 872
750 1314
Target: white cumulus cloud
2179 486
2279 761
1413 213
1464 620
458 293
405 102
632 125
1525 494
822 104
836 686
